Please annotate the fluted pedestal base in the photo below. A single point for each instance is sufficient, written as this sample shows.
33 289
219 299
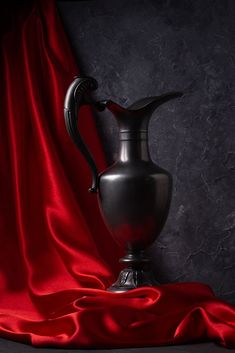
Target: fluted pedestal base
136 274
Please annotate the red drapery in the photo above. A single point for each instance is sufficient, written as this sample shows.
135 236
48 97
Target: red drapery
56 256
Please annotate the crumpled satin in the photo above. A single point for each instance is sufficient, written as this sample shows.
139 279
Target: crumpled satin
56 256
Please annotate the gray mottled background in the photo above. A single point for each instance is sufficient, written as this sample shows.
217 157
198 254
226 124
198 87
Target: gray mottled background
141 48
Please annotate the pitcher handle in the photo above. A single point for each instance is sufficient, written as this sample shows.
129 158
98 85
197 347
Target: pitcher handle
77 95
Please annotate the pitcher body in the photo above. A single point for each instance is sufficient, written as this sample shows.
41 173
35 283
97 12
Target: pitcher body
134 193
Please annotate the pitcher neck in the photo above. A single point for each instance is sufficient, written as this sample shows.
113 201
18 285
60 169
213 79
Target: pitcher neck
133 145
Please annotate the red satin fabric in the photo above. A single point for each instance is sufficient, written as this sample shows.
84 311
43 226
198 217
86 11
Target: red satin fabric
56 256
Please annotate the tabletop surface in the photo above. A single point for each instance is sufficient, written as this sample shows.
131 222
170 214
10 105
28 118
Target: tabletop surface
7 346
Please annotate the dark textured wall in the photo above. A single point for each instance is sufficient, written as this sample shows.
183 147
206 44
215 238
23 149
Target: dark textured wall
141 48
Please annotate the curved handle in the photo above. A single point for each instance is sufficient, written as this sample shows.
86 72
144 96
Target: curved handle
77 95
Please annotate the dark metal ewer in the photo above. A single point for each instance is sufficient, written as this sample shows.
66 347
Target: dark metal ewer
134 193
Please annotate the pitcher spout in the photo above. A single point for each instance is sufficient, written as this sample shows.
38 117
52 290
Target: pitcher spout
149 104
137 115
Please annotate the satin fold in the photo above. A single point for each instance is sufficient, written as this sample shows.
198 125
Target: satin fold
56 255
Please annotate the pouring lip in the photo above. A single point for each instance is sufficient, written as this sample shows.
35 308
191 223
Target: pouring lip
115 106
140 104
144 102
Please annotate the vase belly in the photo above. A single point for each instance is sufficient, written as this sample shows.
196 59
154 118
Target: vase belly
134 199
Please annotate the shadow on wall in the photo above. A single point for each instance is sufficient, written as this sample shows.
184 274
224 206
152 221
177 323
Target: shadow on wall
140 48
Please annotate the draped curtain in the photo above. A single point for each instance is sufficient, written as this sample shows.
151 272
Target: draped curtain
56 256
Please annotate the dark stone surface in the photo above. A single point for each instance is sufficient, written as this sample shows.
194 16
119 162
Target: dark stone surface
15 347
141 48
